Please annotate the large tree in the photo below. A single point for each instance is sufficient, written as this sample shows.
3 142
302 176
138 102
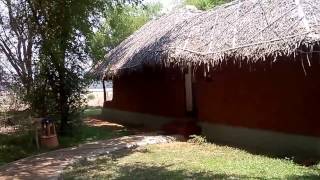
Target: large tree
3 79
17 42
45 43
63 26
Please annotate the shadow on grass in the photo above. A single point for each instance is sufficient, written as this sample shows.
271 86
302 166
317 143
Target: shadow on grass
112 170
14 147
299 158
140 171
86 133
45 166
109 167
17 146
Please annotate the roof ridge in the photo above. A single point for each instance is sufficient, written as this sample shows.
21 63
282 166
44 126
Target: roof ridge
260 29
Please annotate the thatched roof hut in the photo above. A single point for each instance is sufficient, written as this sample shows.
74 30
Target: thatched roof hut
248 30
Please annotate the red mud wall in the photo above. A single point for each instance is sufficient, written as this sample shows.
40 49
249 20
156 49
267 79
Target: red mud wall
153 91
280 98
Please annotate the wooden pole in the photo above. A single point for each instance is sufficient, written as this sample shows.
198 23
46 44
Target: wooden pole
104 92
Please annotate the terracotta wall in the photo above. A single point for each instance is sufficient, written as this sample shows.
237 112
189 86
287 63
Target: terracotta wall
277 97
153 91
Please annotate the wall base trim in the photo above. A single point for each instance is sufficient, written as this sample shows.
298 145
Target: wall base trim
262 141
135 119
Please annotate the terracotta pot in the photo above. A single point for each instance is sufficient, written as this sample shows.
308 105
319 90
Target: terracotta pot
49 141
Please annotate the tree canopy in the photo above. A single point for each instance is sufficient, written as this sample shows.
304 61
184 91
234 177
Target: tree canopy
47 45
120 22
17 41
205 4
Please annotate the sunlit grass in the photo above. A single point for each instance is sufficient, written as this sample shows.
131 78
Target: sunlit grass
92 112
86 133
190 161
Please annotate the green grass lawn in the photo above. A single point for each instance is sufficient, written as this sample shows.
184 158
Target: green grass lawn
189 161
17 146
86 133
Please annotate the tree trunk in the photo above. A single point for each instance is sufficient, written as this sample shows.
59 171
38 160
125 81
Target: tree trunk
63 98
64 110
104 92
64 105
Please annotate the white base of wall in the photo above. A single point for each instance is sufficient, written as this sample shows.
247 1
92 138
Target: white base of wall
135 119
263 141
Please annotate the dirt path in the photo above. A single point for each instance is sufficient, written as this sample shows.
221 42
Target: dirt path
50 165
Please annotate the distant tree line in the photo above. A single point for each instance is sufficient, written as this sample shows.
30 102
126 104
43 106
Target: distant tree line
205 4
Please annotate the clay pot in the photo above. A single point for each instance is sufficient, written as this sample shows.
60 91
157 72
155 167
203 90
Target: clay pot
49 141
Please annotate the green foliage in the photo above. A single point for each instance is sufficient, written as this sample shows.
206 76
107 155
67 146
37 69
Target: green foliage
60 82
196 139
120 22
14 147
61 39
205 4
91 97
51 42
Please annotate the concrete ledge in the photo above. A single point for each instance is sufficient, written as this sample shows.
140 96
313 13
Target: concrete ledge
135 119
262 141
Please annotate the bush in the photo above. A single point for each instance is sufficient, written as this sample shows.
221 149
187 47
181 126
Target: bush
91 97
205 4
196 139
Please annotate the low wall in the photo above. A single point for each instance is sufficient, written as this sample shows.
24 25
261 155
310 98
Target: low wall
262 141
135 119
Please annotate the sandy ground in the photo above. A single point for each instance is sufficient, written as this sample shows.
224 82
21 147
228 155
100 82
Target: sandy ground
50 165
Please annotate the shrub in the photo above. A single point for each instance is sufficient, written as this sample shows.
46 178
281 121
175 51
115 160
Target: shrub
196 139
91 97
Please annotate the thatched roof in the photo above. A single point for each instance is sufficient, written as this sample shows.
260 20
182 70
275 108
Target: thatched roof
244 29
